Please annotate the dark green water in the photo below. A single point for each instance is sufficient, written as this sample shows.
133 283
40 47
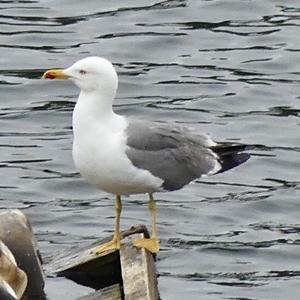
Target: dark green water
230 68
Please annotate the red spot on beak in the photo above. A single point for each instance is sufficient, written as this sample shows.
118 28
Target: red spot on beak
49 76
55 74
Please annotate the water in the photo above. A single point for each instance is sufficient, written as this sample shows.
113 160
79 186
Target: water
228 67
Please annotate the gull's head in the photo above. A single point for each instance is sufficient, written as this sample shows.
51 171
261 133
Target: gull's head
90 74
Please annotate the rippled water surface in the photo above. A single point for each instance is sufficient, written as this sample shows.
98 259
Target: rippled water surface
228 67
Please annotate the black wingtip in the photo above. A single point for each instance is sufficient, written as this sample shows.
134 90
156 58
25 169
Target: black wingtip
232 160
231 156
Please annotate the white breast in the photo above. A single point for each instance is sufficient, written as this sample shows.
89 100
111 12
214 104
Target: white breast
99 154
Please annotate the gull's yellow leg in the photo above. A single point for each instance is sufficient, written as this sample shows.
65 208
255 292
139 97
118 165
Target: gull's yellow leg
115 243
151 244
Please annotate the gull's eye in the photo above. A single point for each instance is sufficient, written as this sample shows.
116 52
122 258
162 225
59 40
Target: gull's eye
82 72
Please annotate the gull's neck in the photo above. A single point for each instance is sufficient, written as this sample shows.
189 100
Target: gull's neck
96 104
93 109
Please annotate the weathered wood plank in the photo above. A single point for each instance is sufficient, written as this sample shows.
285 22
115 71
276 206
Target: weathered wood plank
132 270
113 292
138 271
83 267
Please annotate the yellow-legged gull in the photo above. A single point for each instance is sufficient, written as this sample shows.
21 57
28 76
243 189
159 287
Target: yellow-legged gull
124 156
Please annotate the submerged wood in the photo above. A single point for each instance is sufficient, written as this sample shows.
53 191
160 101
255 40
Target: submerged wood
16 233
113 292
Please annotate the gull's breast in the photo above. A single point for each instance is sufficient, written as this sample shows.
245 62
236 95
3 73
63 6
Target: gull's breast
100 156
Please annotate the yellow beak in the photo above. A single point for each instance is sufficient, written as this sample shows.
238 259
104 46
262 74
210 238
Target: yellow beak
55 74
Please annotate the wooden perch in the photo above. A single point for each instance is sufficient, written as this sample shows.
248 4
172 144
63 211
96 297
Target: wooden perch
126 274
138 271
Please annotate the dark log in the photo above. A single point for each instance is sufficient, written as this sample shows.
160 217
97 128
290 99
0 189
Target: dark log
16 233
13 279
6 292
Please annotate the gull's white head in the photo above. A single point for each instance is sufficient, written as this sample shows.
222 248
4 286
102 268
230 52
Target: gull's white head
91 74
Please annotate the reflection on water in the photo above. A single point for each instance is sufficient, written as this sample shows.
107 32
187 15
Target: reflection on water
227 67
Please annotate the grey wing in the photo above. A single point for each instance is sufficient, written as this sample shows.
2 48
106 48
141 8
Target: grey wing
175 154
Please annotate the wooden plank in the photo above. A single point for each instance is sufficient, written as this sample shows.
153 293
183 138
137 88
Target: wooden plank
113 292
138 271
83 267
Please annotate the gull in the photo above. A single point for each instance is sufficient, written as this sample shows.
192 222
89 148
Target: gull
123 156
